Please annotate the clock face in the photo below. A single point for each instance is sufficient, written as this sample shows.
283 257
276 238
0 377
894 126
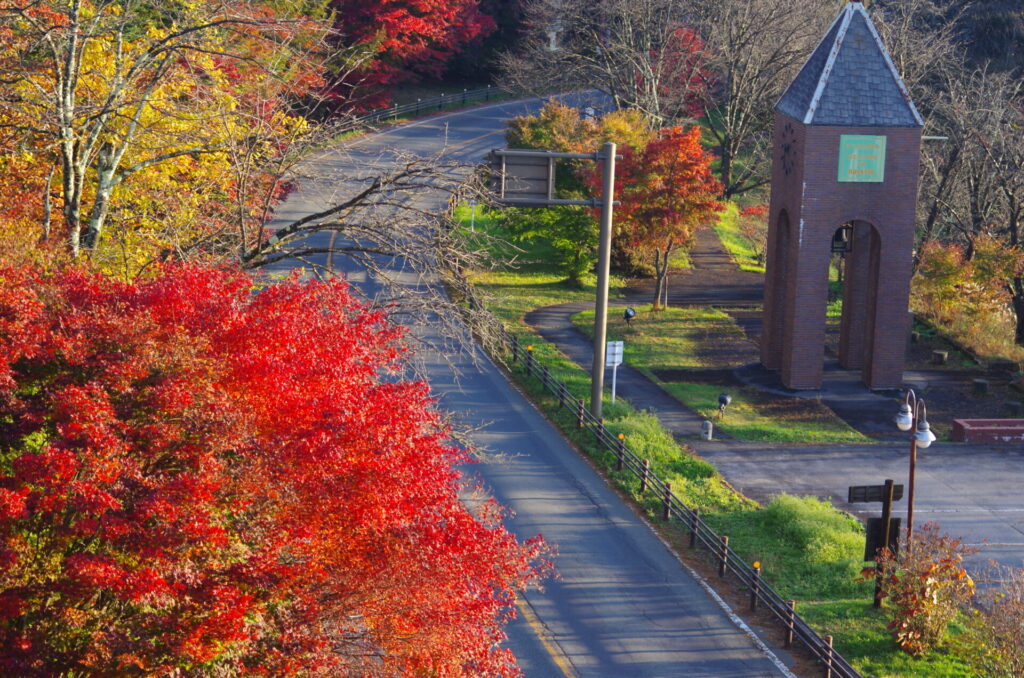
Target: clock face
787 148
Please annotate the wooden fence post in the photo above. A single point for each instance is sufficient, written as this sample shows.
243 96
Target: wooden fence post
544 375
828 657
694 519
790 621
515 348
755 585
644 474
579 413
724 562
667 499
620 453
600 430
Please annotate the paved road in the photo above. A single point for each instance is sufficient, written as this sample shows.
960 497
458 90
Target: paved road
623 606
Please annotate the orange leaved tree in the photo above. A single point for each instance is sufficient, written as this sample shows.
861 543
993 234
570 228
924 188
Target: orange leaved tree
667 192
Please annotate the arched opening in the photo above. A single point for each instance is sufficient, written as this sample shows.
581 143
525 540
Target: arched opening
860 276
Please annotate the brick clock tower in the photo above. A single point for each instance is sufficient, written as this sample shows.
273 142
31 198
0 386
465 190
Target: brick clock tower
844 171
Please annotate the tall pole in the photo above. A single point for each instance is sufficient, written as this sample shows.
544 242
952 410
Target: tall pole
603 265
910 482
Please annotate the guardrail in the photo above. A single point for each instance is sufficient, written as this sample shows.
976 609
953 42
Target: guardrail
729 562
422 106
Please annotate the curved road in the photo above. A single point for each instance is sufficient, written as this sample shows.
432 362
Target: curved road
622 605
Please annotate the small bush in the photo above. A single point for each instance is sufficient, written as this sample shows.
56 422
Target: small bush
1000 624
926 585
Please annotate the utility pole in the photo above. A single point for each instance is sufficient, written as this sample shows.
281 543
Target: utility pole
604 254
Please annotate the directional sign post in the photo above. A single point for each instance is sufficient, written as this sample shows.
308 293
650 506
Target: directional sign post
612 359
882 533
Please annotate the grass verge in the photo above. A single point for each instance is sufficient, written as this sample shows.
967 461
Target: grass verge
668 344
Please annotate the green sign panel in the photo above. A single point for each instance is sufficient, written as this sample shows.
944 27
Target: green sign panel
861 158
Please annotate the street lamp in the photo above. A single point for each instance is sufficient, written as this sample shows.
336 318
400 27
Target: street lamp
913 414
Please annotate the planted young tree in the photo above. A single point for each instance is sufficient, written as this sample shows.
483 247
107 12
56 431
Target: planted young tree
191 486
667 192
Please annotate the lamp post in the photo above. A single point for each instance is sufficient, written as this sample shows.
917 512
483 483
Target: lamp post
913 414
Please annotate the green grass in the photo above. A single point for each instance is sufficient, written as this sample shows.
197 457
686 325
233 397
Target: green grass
739 247
686 338
809 551
854 625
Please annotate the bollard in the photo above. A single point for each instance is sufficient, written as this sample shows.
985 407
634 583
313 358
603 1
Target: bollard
667 499
828 657
694 521
755 585
644 473
723 564
620 453
706 430
579 413
790 621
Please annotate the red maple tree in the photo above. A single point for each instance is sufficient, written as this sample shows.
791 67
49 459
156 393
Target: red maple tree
198 478
407 39
667 192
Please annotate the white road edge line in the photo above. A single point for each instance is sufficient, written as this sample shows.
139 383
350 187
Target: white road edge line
767 651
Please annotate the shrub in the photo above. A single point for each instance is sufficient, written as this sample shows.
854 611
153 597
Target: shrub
1000 623
926 585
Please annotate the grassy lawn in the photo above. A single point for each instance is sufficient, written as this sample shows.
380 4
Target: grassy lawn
738 246
691 339
809 551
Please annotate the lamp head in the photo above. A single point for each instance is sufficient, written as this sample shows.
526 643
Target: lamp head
905 419
924 435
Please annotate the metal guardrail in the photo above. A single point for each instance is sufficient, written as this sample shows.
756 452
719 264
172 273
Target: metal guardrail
422 106
729 562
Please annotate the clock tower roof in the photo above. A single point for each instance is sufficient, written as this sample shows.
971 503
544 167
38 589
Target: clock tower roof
850 80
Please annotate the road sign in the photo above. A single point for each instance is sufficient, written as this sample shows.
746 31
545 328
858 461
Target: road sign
860 494
613 355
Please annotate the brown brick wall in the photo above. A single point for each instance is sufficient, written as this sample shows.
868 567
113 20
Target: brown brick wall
796 285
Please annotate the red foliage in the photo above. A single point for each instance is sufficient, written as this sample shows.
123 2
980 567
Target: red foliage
683 75
410 38
190 484
667 190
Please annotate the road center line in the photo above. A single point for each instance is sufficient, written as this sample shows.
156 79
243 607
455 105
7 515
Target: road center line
546 638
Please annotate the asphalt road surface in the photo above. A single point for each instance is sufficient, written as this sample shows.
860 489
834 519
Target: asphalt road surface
622 606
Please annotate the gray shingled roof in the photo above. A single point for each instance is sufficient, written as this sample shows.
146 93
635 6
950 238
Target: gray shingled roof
850 80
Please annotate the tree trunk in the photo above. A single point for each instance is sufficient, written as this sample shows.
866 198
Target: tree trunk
661 278
105 181
1017 301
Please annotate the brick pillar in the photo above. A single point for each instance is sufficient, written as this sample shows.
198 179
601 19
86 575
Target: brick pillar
884 367
803 347
775 295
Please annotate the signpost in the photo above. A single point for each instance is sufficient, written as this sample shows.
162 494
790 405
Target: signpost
525 178
613 358
881 532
